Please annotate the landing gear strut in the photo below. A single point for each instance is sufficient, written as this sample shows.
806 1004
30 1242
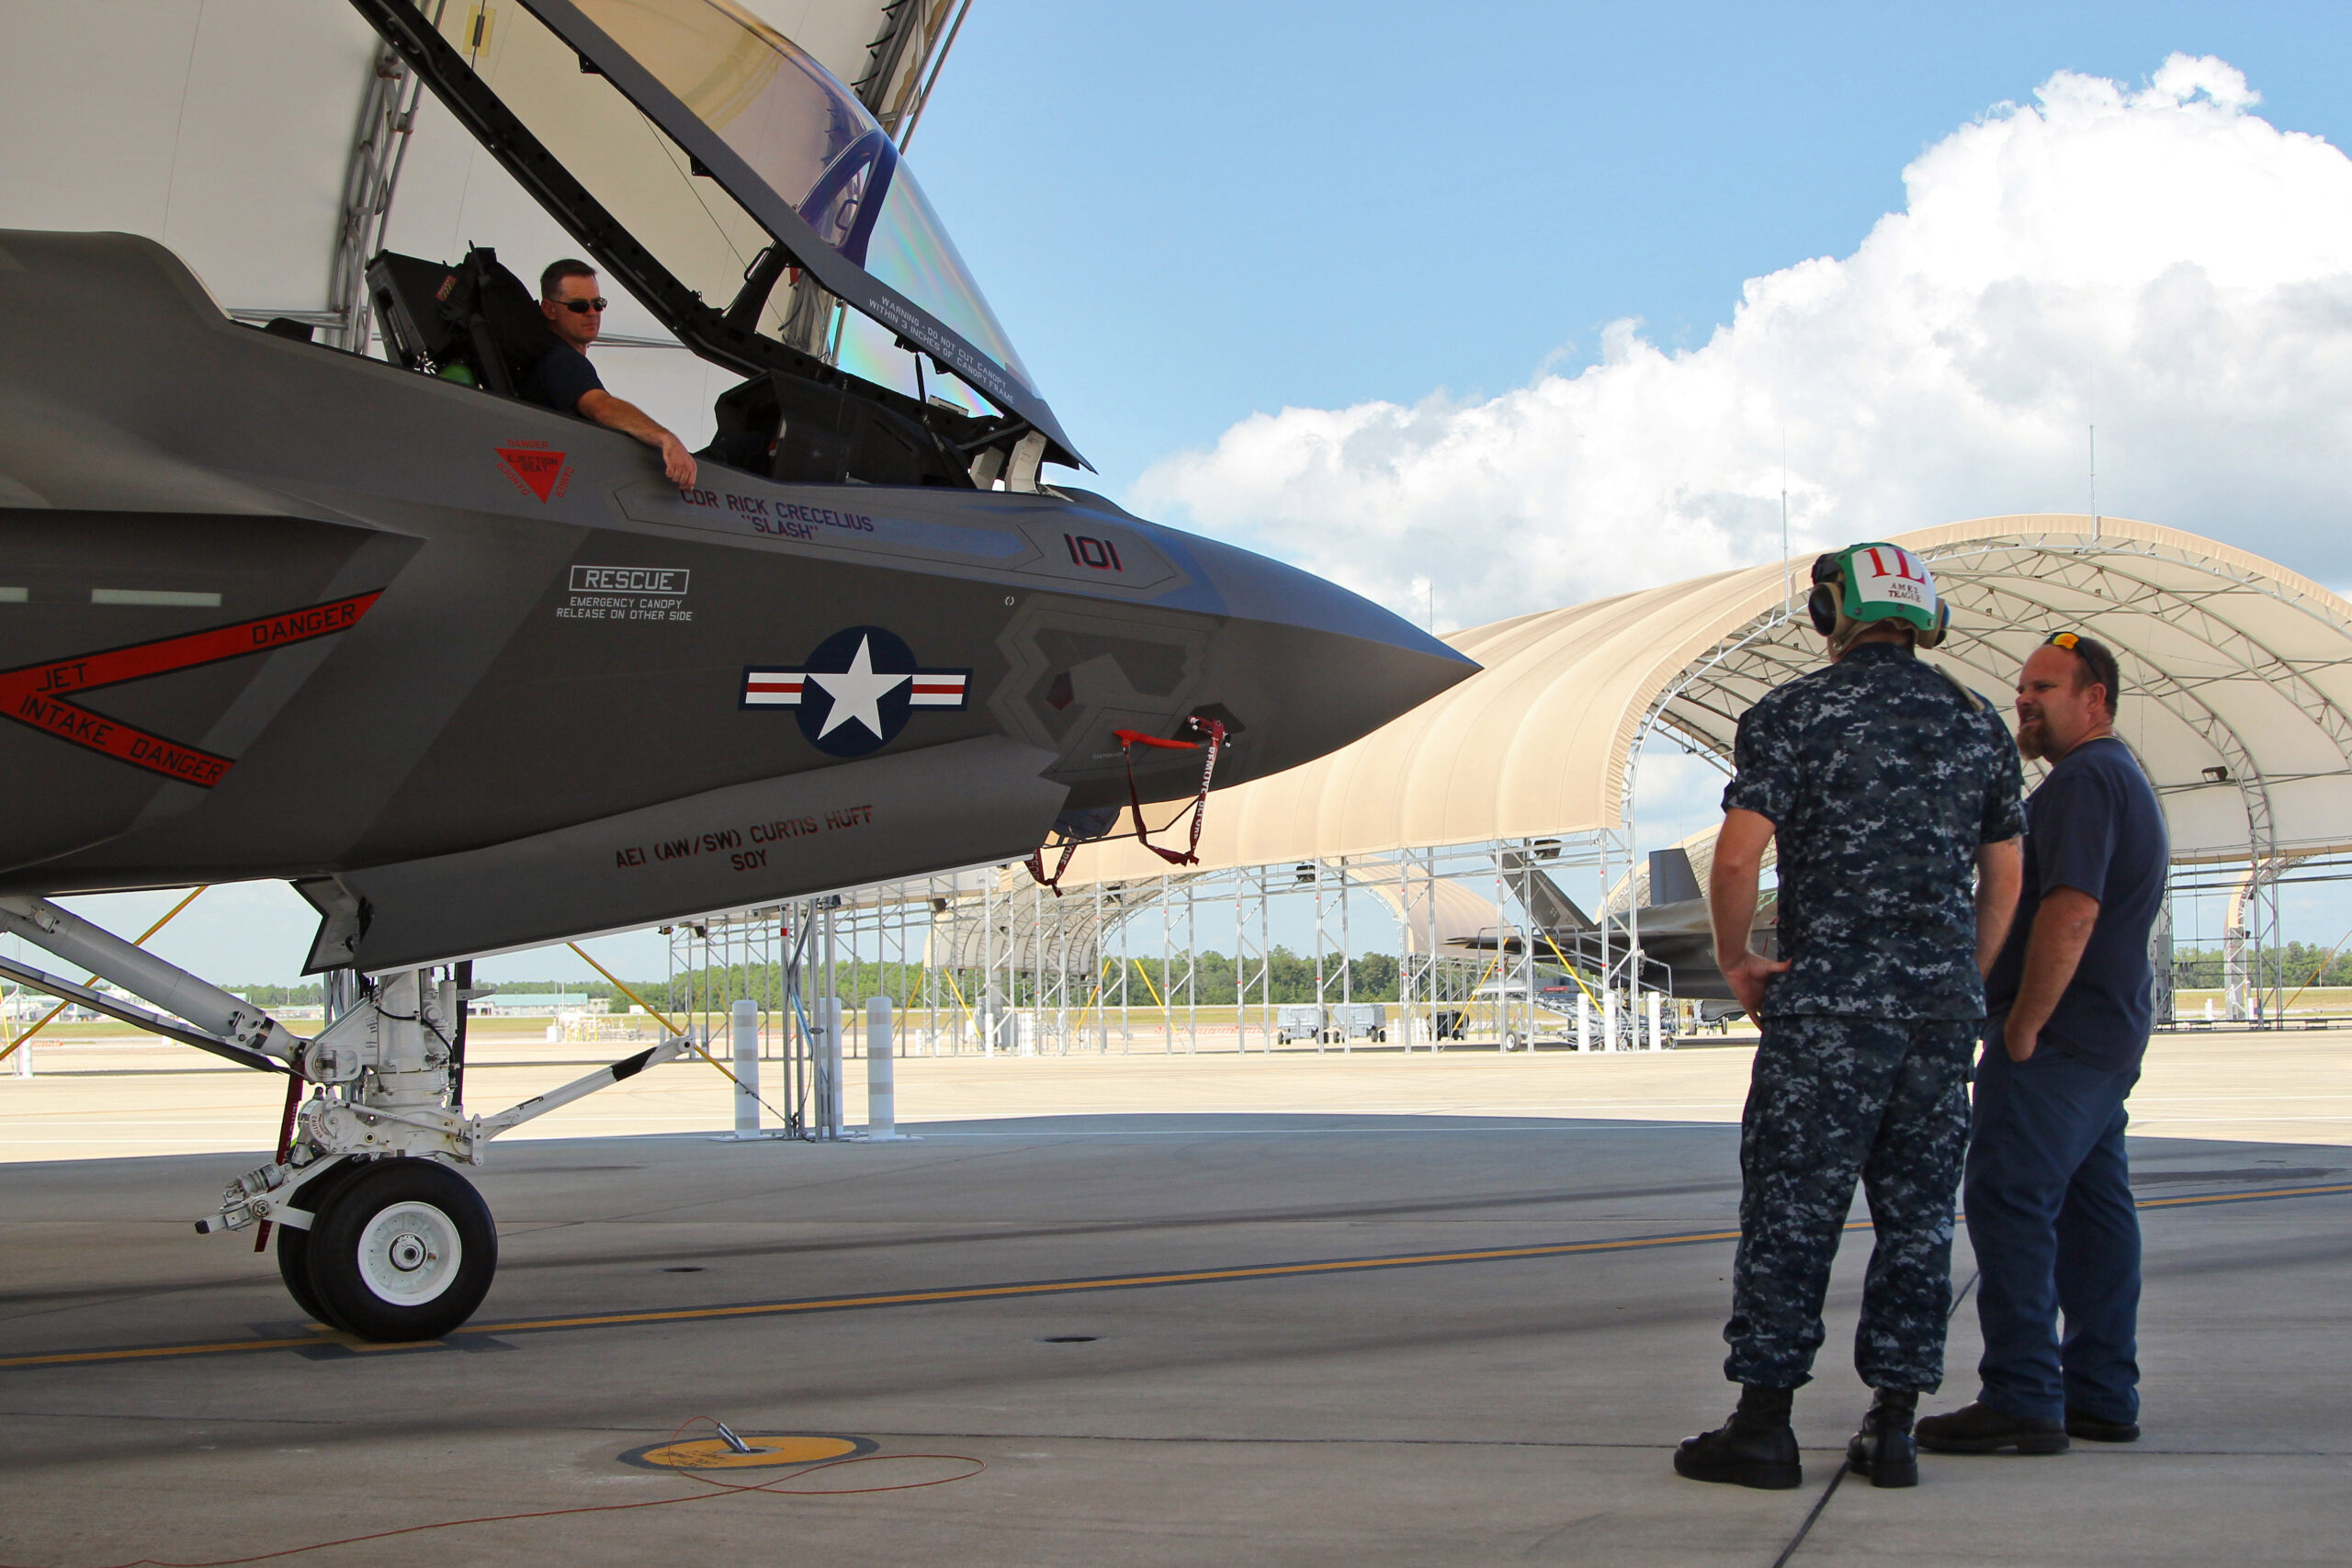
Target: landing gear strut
378 1233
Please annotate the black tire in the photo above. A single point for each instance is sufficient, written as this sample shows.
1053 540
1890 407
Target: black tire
404 1251
294 1246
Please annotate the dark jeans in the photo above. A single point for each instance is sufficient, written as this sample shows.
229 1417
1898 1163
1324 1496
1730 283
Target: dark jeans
1834 1100
2048 1201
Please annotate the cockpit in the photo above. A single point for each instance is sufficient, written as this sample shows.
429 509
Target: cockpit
723 177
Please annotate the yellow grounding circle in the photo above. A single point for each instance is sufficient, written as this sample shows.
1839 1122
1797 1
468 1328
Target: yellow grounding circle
769 1451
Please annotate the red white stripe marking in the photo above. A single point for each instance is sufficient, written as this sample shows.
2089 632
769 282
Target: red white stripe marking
768 688
772 688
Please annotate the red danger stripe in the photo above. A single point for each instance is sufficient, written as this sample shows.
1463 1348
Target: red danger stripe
119 741
140 660
34 694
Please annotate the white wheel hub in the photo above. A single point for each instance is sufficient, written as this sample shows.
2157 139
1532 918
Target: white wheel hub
409 1253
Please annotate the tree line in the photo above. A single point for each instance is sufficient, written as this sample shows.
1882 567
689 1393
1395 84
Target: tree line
2300 963
1291 978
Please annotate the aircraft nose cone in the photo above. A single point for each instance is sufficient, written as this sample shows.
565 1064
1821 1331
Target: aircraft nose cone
1307 667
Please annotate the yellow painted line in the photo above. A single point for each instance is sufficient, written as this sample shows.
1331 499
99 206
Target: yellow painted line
910 1298
2241 1197
1103 1283
148 1352
1041 1286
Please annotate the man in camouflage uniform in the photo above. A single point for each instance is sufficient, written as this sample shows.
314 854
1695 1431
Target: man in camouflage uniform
1887 784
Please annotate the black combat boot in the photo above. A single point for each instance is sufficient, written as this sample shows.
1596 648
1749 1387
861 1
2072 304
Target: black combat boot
1756 1448
1884 1450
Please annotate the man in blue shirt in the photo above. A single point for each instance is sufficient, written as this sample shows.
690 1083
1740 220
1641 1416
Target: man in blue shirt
565 381
2070 1001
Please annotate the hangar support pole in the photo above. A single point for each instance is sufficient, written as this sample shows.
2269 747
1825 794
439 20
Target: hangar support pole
1347 960
371 174
2160 962
2251 988
1192 968
1263 878
1240 964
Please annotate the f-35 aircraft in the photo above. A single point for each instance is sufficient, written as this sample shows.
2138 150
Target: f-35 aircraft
269 609
1672 924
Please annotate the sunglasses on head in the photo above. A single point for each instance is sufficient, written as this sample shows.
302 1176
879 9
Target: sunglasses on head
2062 639
581 306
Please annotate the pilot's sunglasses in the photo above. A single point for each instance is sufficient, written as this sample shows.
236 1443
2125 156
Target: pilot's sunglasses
580 307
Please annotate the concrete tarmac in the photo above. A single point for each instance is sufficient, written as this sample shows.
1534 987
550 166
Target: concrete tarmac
1197 1337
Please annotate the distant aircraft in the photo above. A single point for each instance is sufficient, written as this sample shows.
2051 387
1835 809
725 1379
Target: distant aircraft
475 676
1671 924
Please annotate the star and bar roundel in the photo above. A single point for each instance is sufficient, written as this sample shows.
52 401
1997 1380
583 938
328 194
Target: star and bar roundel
856 692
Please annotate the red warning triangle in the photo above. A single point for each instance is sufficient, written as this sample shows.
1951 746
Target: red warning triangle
537 467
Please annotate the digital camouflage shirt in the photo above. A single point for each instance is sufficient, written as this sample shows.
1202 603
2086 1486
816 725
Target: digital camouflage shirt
1881 781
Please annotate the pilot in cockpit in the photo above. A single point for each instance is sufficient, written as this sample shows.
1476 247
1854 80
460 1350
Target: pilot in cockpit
565 381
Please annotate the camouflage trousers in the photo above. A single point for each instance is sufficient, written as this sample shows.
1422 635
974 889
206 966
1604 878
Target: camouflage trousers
1833 1100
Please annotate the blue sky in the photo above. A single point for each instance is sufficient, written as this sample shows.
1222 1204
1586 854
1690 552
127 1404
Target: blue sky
1187 216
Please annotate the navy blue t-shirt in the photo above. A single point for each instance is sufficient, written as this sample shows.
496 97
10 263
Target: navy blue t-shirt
560 378
2094 825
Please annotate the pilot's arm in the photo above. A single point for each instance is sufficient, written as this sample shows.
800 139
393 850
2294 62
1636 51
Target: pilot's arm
616 413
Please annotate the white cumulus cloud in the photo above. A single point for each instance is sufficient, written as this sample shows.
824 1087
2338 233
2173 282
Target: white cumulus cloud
2162 262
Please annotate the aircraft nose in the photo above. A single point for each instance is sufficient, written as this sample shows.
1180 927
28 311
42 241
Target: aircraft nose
1306 666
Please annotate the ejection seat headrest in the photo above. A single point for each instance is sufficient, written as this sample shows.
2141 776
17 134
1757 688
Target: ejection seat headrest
517 324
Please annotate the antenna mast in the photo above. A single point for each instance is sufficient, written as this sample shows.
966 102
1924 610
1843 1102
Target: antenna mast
1788 571
2094 482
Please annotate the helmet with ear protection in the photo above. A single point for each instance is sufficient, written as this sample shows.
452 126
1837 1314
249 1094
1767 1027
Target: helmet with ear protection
1828 588
1866 584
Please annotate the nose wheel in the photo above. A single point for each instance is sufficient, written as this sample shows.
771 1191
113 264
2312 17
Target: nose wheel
399 1249
294 1246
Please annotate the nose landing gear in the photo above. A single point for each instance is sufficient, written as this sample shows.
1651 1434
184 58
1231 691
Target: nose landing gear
377 1235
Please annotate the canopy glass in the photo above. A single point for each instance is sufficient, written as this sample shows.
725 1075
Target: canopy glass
801 135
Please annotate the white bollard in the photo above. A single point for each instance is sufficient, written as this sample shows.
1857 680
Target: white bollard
744 1018
1658 1035
1609 1021
828 1072
881 1074
1584 1022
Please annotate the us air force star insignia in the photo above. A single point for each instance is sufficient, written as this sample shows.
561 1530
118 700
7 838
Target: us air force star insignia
854 693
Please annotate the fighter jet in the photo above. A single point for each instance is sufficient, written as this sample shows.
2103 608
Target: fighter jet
1672 925
475 676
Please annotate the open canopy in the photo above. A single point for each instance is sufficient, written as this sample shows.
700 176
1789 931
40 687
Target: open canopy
695 151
